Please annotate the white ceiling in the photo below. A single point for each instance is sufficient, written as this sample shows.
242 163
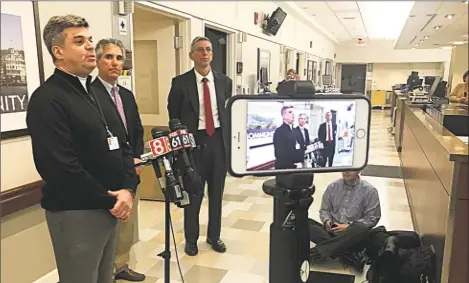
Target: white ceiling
351 20
425 16
401 21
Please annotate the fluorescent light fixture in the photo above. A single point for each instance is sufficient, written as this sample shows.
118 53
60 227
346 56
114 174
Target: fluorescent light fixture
437 27
449 16
446 47
458 42
426 37
377 15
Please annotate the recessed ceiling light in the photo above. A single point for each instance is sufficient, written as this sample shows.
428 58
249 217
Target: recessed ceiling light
437 27
416 45
446 47
449 16
458 42
421 40
425 37
465 2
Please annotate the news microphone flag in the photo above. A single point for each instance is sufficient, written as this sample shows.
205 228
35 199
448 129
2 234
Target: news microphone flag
160 146
180 139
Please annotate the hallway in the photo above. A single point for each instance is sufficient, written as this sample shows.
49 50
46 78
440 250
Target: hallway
247 214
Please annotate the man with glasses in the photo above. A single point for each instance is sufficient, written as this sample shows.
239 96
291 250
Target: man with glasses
197 98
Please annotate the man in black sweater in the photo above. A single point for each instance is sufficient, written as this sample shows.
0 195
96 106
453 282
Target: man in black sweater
86 163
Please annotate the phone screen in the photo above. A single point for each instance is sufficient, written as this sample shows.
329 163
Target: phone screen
300 134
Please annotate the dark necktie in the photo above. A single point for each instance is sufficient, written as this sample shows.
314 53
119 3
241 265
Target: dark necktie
209 124
120 107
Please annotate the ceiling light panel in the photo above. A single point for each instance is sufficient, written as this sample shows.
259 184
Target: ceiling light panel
377 16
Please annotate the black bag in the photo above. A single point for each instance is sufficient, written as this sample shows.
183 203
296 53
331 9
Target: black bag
419 265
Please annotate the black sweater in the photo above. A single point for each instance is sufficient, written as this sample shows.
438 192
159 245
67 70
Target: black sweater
71 150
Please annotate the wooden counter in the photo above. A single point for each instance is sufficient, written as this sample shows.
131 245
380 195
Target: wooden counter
435 167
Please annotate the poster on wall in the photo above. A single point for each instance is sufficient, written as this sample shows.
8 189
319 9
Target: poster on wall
21 69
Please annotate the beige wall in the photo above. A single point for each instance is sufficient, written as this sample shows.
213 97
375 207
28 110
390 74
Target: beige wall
25 239
459 63
386 75
162 30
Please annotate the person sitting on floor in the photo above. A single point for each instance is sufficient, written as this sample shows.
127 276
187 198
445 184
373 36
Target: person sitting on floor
350 209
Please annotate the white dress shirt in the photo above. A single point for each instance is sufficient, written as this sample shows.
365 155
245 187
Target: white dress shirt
109 87
213 99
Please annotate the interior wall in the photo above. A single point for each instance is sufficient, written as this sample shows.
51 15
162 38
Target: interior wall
459 64
25 238
161 29
385 75
239 15
249 76
382 51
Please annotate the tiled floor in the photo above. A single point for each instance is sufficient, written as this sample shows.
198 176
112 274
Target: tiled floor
247 214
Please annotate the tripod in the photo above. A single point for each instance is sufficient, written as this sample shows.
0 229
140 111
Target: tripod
289 233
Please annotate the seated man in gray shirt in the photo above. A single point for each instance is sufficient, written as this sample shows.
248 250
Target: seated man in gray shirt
350 209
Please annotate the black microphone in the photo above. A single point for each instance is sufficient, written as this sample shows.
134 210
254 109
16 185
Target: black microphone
159 150
182 142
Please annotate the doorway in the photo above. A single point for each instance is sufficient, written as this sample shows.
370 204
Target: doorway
353 79
219 41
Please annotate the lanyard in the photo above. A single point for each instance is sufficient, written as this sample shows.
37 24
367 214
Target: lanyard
94 98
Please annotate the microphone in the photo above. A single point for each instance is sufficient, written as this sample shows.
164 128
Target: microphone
159 149
182 142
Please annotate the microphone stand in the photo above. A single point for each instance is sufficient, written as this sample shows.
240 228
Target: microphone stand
166 254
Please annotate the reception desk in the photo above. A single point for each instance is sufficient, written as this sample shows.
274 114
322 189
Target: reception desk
435 168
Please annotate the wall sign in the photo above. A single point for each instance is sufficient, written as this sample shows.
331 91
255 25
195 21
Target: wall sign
122 26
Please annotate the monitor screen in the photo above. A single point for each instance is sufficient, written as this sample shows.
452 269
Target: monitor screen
321 134
327 80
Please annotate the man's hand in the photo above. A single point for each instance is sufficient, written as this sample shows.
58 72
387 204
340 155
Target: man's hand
139 169
123 206
339 228
328 225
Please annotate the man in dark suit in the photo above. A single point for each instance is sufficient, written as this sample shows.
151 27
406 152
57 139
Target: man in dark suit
197 98
288 152
121 111
302 131
327 134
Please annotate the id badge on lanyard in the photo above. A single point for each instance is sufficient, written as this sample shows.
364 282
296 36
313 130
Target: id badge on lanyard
112 141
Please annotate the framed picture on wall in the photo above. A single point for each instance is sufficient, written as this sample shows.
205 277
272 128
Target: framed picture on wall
21 67
263 64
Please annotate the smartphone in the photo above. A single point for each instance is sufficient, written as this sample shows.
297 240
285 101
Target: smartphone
273 135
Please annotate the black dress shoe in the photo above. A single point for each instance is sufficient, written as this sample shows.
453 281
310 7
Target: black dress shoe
314 255
217 245
355 260
191 249
129 275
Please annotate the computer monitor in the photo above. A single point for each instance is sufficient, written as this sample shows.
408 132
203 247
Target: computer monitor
428 80
327 79
435 84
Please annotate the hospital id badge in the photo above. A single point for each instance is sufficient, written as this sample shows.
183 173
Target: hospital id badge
113 143
297 146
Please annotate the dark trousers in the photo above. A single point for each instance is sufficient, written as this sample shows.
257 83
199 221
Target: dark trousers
210 164
331 245
329 152
84 243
